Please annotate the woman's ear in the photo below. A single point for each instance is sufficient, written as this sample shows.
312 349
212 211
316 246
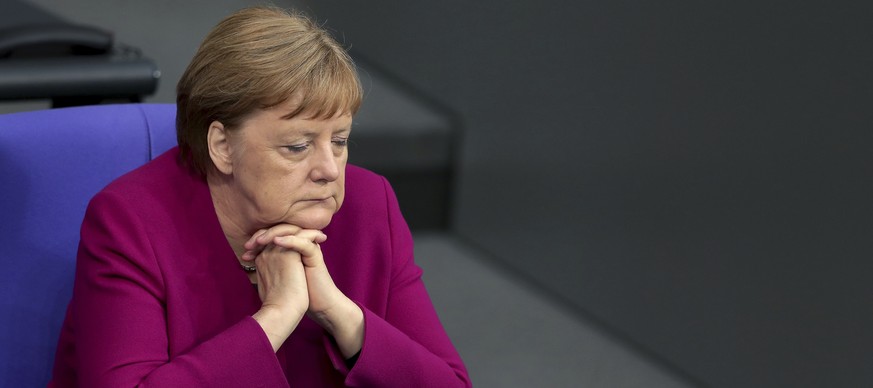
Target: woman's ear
219 147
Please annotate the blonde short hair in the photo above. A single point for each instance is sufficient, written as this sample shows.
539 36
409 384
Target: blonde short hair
258 58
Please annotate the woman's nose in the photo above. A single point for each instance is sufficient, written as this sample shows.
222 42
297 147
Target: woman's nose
325 165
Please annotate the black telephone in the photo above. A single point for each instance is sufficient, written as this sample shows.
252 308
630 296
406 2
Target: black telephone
50 40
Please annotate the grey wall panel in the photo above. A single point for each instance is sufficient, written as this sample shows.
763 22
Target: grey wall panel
695 175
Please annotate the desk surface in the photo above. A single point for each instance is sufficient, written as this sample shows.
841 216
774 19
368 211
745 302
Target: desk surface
120 73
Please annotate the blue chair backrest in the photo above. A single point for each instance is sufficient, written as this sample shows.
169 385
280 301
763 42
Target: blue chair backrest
51 163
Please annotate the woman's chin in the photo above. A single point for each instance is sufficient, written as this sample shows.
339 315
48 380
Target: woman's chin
312 219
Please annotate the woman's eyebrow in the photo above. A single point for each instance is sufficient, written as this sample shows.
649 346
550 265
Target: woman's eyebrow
309 133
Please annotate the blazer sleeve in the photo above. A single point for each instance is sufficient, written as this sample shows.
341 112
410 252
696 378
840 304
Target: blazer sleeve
408 347
119 316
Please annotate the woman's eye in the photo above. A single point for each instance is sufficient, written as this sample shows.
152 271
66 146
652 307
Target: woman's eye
342 142
297 148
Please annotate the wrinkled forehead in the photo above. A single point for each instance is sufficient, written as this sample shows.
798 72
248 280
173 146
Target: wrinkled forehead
321 97
296 106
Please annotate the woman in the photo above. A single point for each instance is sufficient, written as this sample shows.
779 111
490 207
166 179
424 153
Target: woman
252 255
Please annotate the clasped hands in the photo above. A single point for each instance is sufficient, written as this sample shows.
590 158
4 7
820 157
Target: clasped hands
293 280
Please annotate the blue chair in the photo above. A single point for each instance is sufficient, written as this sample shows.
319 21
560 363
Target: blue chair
51 163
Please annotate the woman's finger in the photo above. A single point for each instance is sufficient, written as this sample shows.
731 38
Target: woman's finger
281 279
264 236
250 244
307 247
313 235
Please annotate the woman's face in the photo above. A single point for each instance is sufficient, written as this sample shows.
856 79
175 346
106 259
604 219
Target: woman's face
289 170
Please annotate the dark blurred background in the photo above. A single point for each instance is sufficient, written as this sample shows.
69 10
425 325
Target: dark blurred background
642 193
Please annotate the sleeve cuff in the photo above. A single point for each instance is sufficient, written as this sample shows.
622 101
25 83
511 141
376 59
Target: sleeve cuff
339 362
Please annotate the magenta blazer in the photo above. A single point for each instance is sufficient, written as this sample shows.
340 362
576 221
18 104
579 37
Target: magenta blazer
160 299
